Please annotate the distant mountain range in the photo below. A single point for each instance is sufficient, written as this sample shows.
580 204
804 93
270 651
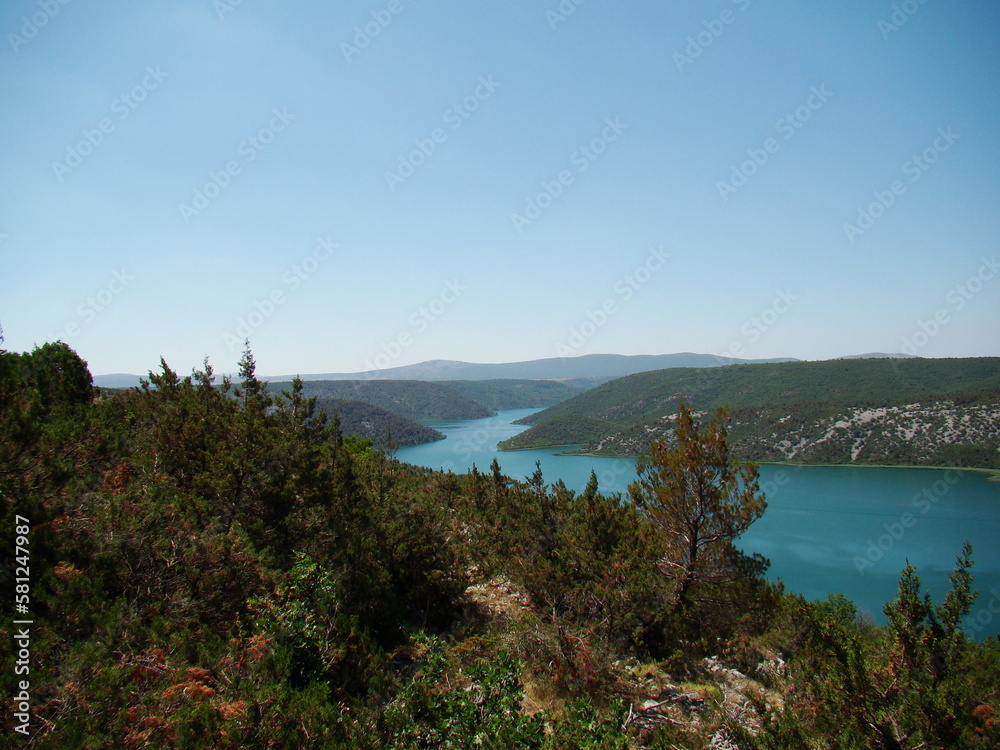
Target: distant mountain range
117 380
604 366
589 369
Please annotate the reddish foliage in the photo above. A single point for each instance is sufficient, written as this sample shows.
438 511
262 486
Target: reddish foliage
199 690
65 571
192 688
248 652
57 523
984 714
117 479
197 674
232 711
148 664
153 725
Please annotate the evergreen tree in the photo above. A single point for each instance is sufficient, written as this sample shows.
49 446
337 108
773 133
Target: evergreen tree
905 688
702 498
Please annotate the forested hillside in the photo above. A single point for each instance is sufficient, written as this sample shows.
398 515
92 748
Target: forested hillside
376 424
214 565
499 395
911 411
441 401
413 399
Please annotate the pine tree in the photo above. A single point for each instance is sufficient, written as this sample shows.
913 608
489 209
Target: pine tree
702 498
907 688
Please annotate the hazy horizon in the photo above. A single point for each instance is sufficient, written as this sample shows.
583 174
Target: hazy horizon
275 373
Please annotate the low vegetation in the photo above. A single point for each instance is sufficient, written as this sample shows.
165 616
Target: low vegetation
218 565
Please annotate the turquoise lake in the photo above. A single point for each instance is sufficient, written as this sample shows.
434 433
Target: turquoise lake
827 530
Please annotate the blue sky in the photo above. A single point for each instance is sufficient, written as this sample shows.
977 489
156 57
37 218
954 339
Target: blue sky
361 184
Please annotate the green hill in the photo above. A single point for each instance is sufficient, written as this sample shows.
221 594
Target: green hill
515 394
413 399
650 395
564 430
376 423
920 412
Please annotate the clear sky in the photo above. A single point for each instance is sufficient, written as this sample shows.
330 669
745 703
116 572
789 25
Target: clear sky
358 184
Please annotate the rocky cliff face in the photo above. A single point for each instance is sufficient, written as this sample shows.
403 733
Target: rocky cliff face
915 431
939 432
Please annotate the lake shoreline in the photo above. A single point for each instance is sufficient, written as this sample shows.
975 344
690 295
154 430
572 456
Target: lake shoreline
993 475
556 448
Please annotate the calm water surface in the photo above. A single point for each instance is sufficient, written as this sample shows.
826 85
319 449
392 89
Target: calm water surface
827 529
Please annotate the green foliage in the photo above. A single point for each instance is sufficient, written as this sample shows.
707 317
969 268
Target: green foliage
563 430
702 499
416 400
514 394
481 709
587 729
216 565
456 703
806 404
906 687
210 514
363 420
974 456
